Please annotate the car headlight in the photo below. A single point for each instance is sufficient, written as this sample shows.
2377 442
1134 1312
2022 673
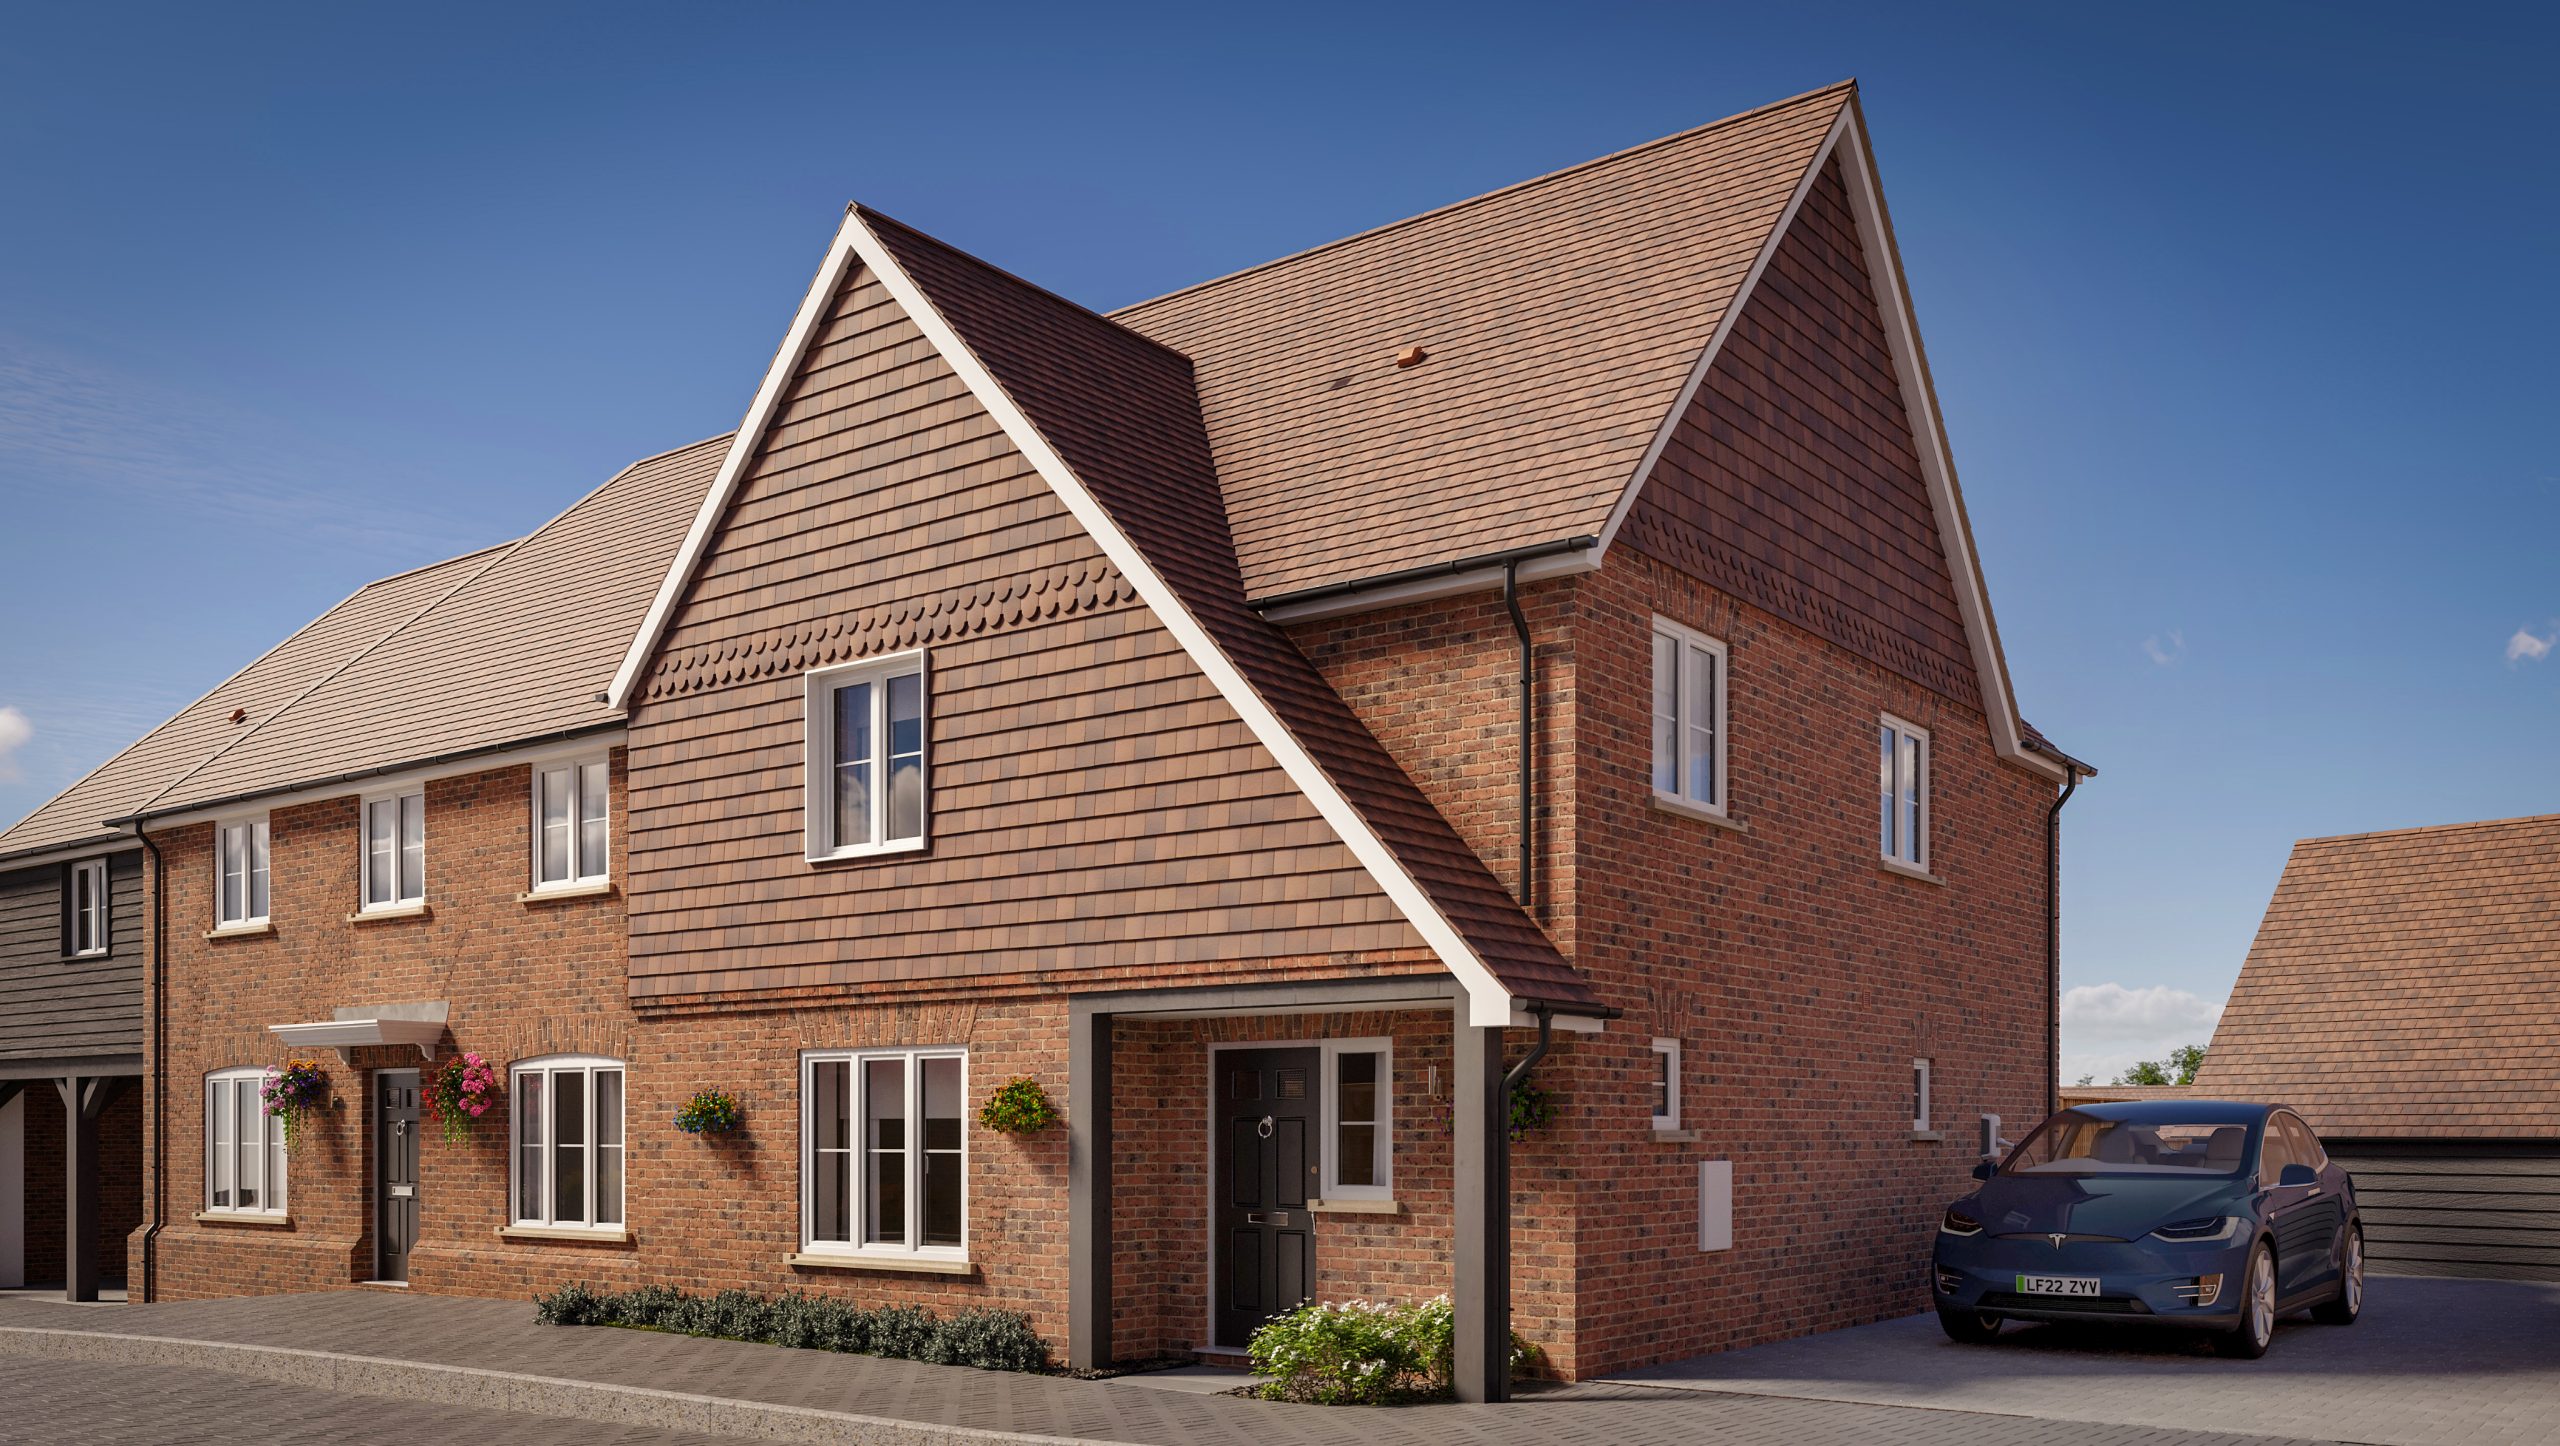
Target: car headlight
1956 1222
2203 1230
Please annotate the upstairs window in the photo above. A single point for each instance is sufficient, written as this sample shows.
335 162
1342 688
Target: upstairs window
1902 780
866 784
1665 1084
84 909
572 812
243 1146
240 863
1688 717
395 850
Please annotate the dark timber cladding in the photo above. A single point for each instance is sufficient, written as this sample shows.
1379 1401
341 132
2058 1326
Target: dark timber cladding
2458 1208
53 1007
1094 801
1792 480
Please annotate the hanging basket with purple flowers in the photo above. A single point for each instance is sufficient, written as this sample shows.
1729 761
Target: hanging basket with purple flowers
460 1093
289 1091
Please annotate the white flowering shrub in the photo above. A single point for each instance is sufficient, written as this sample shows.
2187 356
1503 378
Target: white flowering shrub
1358 1353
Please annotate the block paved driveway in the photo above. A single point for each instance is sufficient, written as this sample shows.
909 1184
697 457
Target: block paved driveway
2431 1361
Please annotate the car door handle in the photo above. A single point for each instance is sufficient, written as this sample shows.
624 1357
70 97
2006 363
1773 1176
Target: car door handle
2314 1195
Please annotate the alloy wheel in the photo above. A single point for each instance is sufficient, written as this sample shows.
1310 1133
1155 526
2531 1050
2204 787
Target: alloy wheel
2355 1271
2262 1297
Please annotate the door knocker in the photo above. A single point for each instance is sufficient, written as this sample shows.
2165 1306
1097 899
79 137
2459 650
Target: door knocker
1264 1129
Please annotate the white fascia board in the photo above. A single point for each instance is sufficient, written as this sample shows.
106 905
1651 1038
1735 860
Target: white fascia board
733 467
1488 1003
1536 569
1937 459
396 781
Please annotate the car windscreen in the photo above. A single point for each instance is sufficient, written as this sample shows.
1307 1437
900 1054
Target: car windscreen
2072 1143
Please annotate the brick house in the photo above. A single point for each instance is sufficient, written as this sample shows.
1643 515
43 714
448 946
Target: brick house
2403 993
1540 639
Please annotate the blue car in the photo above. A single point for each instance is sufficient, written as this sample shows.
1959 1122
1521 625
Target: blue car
2205 1214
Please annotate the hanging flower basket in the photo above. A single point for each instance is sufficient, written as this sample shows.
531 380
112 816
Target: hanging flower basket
1532 1109
460 1093
1018 1107
710 1112
291 1090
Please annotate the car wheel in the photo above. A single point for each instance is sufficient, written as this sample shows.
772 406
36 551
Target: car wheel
2350 1298
2257 1325
1972 1327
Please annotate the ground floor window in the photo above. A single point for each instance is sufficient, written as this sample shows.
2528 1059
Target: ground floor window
568 1142
884 1165
1357 1097
243 1146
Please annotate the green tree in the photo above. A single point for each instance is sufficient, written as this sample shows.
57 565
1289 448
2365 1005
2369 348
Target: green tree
2178 1069
2186 1059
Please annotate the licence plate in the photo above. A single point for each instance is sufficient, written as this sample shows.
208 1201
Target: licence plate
2057 1285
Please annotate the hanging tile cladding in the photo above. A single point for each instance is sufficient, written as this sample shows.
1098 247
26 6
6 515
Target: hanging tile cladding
1095 803
1121 411
1793 481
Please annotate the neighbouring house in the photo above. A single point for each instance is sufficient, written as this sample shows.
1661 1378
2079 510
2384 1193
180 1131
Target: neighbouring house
1539 639
2404 994
2098 1094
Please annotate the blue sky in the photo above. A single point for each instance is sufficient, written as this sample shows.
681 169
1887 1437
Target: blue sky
2241 317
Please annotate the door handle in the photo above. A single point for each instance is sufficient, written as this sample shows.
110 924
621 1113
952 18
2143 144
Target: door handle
400 1128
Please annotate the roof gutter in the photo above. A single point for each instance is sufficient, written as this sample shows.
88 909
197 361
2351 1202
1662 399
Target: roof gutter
354 775
1461 575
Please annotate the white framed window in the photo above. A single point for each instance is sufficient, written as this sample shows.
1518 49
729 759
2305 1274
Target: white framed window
240 864
567 1130
1902 785
572 823
1359 1108
884 1157
866 753
243 1146
1665 1083
1920 1102
395 850
84 909
1688 717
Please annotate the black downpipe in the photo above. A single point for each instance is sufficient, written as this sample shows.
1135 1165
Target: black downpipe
159 1068
2053 941
1512 1077
1528 746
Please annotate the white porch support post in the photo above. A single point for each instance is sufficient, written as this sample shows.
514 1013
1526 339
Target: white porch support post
1480 1289
1088 1187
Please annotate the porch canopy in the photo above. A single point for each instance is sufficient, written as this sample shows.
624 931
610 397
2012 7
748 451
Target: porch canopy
358 1025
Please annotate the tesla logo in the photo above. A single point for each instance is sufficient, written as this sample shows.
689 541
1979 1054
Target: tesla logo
2057 1238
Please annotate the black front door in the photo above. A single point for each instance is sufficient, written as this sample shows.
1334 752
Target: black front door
395 1152
1267 1160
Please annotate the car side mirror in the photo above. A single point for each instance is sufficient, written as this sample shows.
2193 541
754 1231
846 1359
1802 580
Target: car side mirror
2298 1173
1984 1170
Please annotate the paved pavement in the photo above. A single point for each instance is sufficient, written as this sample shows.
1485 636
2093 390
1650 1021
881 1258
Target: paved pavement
491 1356
2431 1361
74 1403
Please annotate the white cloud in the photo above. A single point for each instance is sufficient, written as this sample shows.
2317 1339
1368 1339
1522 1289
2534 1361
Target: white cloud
2527 646
2165 653
15 730
2106 1027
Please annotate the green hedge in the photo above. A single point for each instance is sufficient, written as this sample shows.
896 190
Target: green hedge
991 1340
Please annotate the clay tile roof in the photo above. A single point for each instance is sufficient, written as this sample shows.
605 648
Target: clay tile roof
505 645
122 783
1120 410
2406 985
1559 319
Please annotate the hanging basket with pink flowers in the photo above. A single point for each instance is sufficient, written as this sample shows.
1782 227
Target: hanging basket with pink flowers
460 1093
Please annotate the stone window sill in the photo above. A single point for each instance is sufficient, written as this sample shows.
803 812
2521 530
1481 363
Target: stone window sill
1927 1137
391 912
1354 1207
564 1235
242 1217
1897 866
262 929
901 1264
1681 807
1675 1137
596 889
